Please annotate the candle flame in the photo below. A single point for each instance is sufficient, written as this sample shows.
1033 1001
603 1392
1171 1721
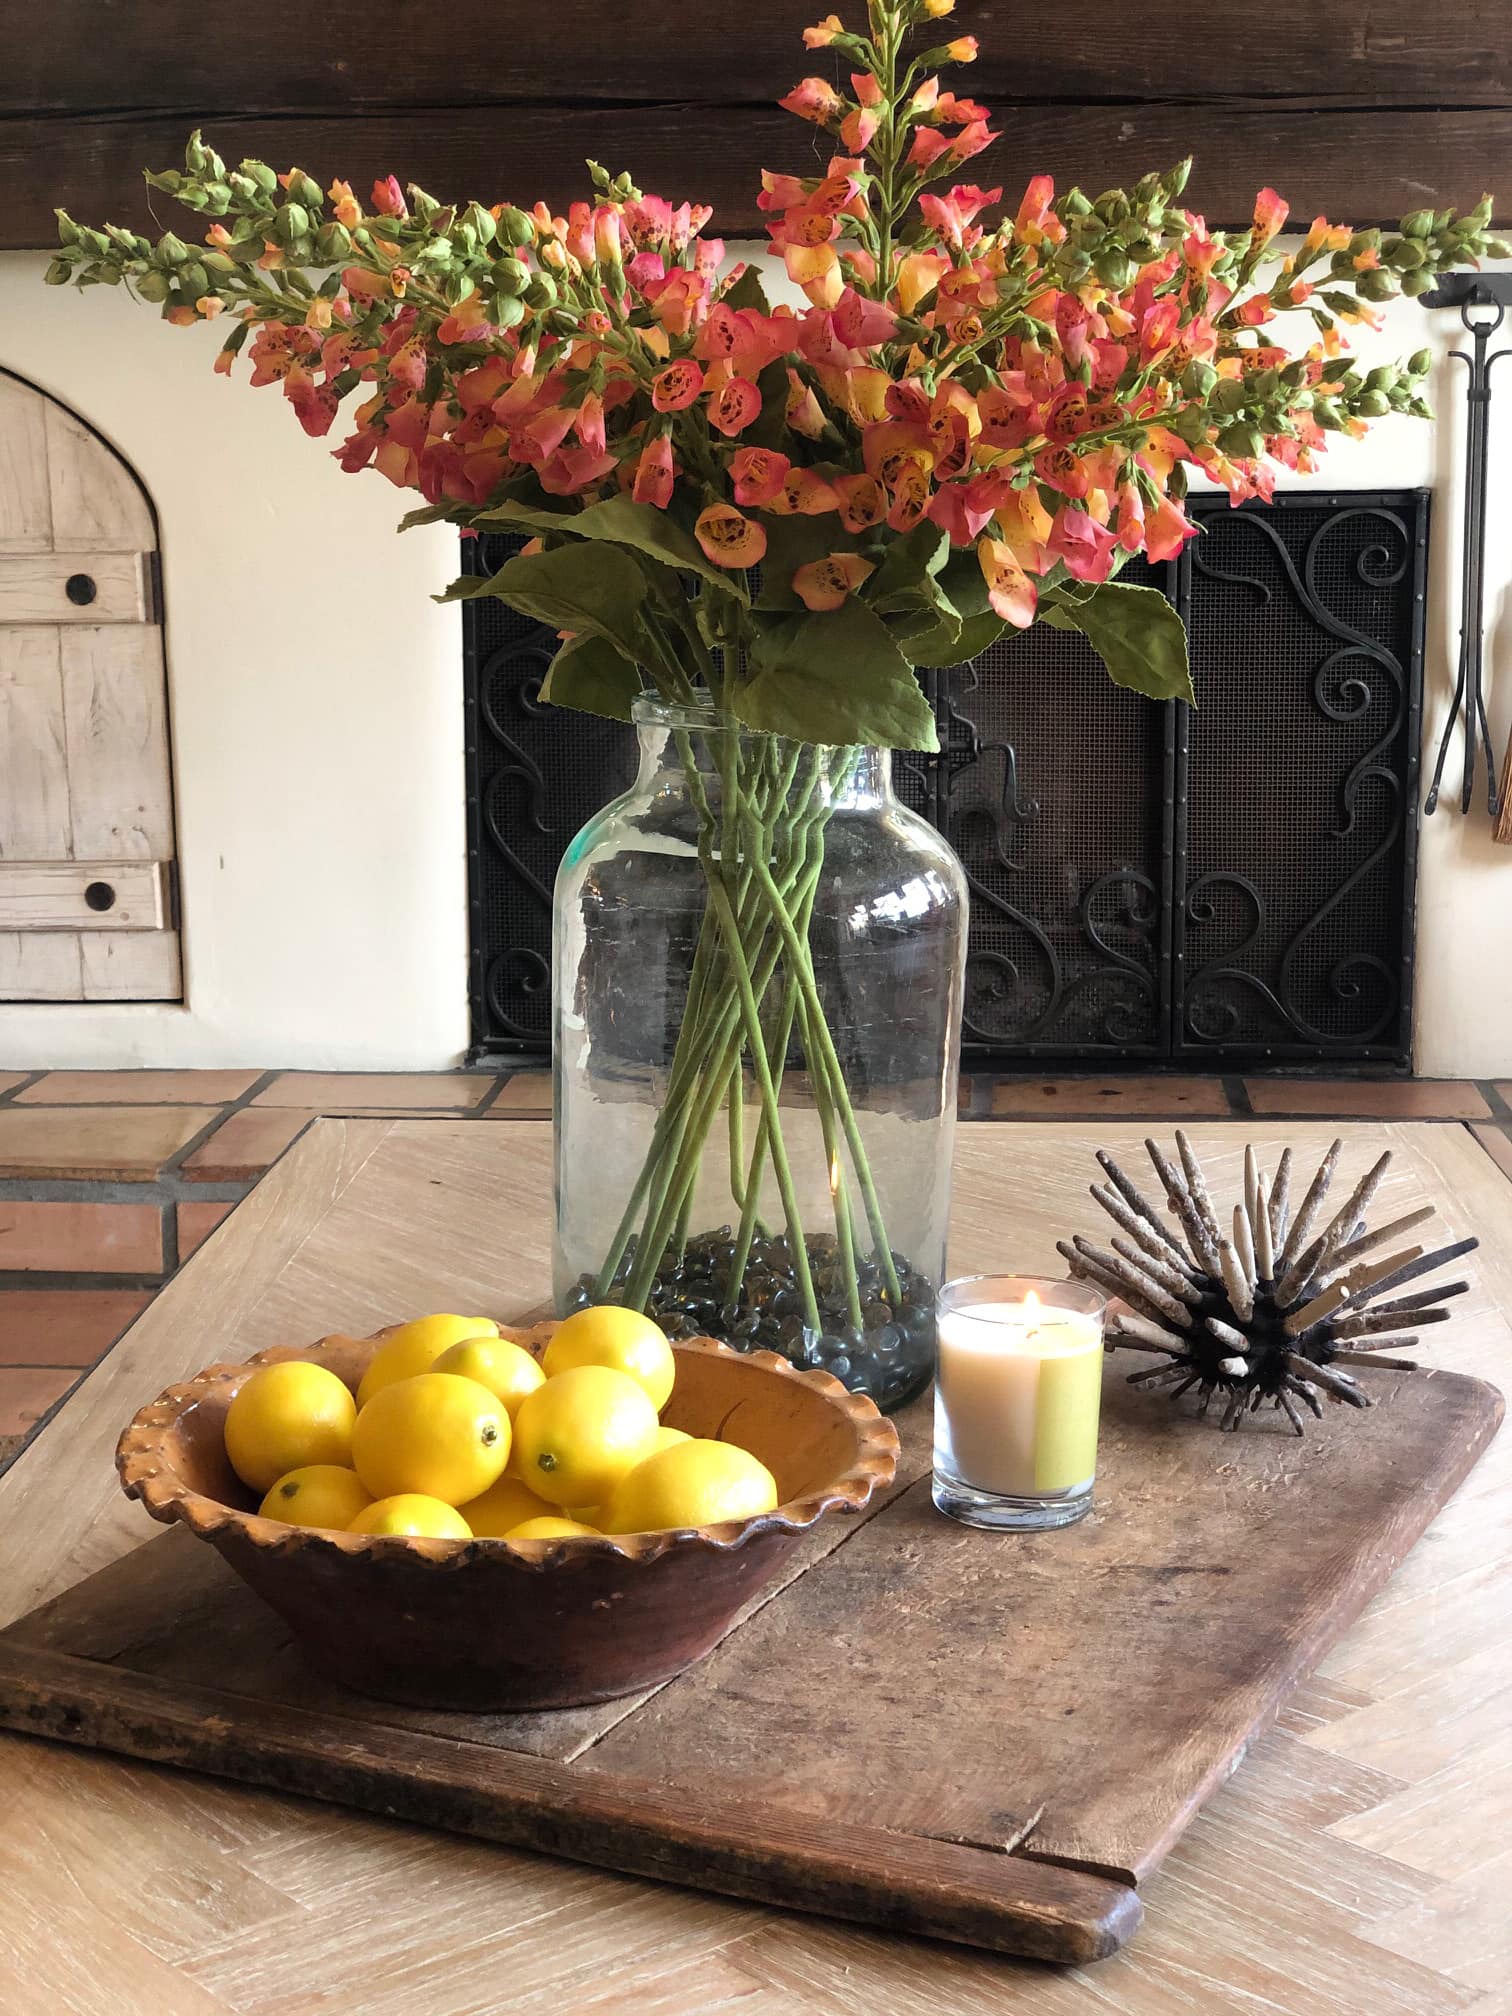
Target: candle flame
1032 1306
834 1174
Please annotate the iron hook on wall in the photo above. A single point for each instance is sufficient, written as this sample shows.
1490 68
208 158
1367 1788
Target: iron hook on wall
1468 292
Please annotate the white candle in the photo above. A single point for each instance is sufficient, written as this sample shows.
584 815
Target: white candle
1020 1384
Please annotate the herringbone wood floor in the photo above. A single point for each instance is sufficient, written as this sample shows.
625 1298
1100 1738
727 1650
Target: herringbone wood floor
1358 1864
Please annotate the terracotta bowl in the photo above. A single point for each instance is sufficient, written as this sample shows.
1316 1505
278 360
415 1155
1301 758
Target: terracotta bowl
502 1624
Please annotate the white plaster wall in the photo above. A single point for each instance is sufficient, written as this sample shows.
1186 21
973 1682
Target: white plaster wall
316 709
317 717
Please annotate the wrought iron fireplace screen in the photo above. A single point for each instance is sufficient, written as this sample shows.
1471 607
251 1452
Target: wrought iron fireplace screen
1217 888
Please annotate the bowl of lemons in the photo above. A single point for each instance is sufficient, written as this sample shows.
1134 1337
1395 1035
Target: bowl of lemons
457 1513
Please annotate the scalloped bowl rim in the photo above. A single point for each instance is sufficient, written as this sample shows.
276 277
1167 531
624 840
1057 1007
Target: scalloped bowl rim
148 1473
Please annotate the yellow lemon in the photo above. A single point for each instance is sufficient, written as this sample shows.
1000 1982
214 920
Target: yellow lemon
415 1347
551 1528
442 1436
693 1483
286 1416
502 1507
622 1339
506 1369
412 1513
668 1438
319 1494
582 1431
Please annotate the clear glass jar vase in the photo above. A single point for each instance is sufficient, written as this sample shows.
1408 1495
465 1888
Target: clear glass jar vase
758 965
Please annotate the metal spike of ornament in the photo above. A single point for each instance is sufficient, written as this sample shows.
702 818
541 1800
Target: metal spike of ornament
1273 1311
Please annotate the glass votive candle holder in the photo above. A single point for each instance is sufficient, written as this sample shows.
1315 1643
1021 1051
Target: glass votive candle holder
1017 1395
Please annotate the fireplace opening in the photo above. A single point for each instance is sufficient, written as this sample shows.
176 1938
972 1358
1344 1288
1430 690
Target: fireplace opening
1219 890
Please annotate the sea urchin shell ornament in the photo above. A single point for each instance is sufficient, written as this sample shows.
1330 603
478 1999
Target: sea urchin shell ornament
1271 1310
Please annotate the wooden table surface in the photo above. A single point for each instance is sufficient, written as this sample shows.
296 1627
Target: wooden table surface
1358 1864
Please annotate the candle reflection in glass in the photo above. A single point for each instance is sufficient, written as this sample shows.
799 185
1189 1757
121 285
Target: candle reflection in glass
1017 1396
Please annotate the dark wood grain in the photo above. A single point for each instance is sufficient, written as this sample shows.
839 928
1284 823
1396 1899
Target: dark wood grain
185 56
1362 165
740 1848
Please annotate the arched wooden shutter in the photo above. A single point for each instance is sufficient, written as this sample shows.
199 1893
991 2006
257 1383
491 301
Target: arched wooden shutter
87 909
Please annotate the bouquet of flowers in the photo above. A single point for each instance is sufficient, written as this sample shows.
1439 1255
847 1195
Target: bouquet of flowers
976 420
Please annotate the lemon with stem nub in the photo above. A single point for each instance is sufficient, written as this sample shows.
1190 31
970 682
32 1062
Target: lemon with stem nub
580 1433
623 1339
412 1515
436 1434
285 1416
319 1494
414 1348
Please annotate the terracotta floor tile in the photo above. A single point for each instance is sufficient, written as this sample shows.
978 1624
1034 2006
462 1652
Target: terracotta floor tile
1369 1098
527 1096
338 1092
80 1238
64 1326
197 1221
245 1144
138 1088
26 1393
129 1143
9 1078
1091 1098
1497 1142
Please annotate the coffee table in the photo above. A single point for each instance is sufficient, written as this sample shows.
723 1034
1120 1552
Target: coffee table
1357 1862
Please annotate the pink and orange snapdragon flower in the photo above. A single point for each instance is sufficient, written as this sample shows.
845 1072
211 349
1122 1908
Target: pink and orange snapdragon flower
1021 395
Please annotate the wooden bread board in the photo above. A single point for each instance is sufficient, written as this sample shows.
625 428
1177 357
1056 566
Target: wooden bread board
987 1738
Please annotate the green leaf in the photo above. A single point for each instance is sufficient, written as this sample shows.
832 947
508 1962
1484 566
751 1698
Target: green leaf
591 675
834 676
747 292
1138 636
769 428
905 565
626 523
792 542
514 516
583 587
428 514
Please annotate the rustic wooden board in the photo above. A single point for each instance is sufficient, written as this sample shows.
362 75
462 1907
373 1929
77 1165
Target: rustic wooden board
987 1738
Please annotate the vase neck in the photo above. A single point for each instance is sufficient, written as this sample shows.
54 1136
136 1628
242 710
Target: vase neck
695 750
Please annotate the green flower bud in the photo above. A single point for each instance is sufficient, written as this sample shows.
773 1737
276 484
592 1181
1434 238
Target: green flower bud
1112 206
1294 375
1381 379
1413 284
1175 179
480 222
153 287
515 228
1198 379
333 243
194 153
1372 405
1230 395
1380 286
217 198
1114 268
1419 409
1498 248
1242 441
507 310
541 292
1327 414
261 175
512 276
562 322
109 272
68 231
290 220
305 189
171 251
243 188
94 241
1419 224
58 273
1409 254
194 280
1075 203
218 262
424 207
1419 362
1176 482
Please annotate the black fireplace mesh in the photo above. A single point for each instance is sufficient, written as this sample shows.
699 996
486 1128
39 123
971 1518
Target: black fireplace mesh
1224 887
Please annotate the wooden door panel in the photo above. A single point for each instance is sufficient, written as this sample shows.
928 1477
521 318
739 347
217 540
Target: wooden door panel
96 504
34 810
130 965
40 966
84 896
116 735
25 495
34 588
